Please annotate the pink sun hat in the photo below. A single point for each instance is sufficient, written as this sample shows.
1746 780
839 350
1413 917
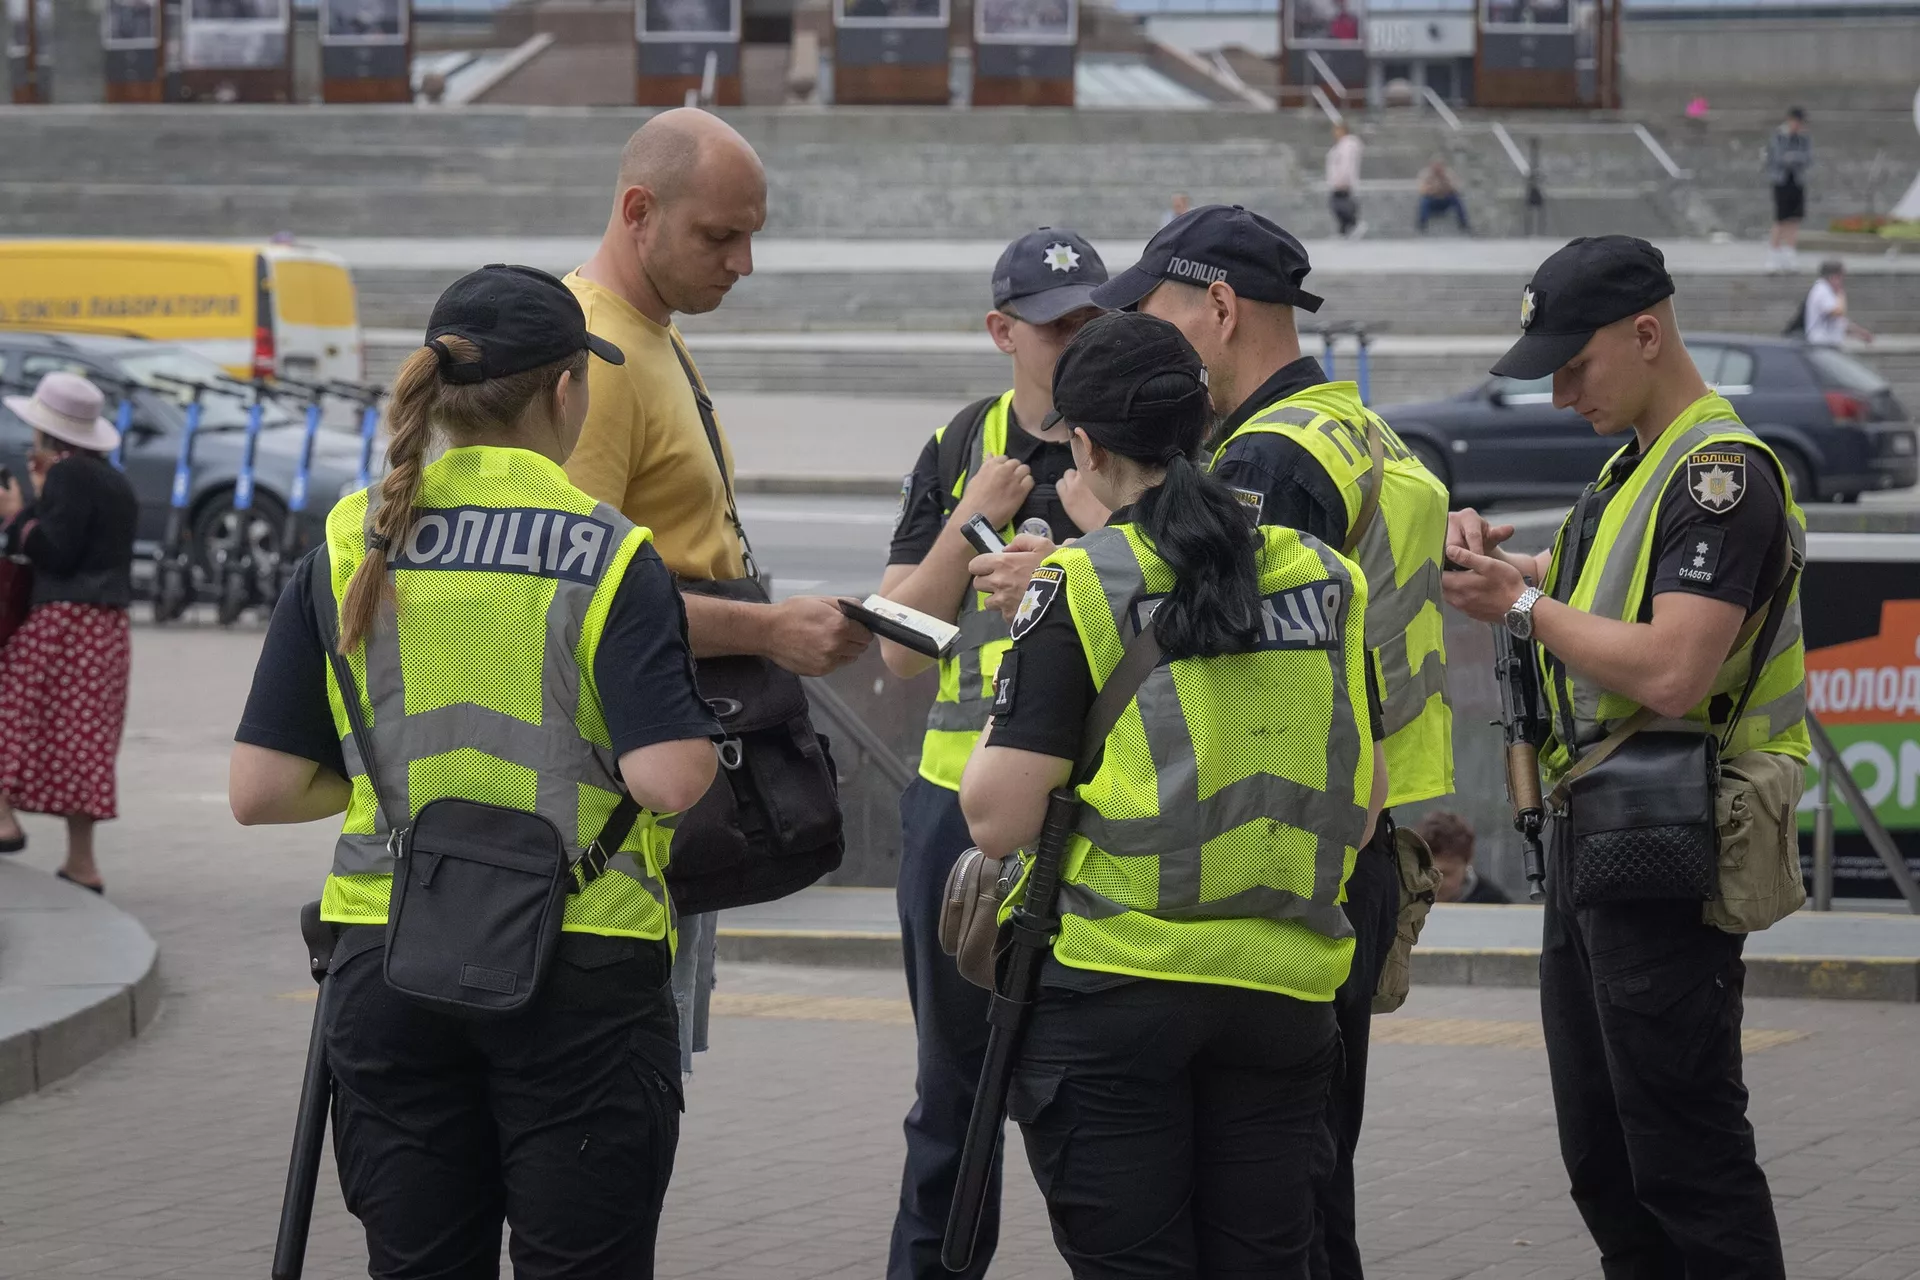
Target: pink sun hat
67 407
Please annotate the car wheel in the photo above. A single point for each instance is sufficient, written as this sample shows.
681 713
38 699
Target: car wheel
1799 474
1433 460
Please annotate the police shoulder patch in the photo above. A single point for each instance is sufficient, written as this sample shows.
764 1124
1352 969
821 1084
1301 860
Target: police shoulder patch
1717 479
906 495
1041 590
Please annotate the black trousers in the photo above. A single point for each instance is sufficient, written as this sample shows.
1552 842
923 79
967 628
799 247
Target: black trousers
1176 1128
950 1022
561 1122
1641 1004
1373 908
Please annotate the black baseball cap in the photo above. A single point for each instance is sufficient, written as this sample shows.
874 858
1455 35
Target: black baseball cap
1254 255
1047 274
1133 384
1581 289
520 317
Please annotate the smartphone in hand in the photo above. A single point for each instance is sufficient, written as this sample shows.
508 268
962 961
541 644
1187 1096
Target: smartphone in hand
981 535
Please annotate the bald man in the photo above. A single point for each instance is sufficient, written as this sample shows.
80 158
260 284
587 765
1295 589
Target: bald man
691 195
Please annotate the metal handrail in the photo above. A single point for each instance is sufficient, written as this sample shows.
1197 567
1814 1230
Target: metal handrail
898 771
1325 72
1863 813
1326 105
1512 149
1440 106
1660 153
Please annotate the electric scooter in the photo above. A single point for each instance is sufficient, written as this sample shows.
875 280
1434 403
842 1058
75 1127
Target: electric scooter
369 398
173 575
290 550
234 564
123 423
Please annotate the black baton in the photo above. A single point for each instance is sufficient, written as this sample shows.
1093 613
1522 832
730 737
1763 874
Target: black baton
310 1125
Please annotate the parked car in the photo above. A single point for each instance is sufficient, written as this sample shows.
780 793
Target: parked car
153 442
1835 424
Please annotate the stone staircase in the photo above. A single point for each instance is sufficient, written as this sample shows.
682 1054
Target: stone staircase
844 173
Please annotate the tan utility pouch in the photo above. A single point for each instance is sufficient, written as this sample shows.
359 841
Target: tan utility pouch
970 914
1759 842
1419 878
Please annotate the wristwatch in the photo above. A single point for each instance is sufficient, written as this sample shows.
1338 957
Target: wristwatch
1519 617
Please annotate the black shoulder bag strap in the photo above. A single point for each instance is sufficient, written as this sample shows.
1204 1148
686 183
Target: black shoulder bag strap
712 424
956 442
589 866
1136 664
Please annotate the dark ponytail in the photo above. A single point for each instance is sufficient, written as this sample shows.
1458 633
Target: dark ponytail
1201 530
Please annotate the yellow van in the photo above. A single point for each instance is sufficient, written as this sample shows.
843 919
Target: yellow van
256 309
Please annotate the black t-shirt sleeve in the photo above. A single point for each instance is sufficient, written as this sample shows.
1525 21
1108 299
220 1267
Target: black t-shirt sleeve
643 667
287 707
1720 528
1045 689
921 512
1294 489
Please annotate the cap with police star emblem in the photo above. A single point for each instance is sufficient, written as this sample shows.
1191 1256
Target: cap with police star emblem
1583 288
1047 274
1255 256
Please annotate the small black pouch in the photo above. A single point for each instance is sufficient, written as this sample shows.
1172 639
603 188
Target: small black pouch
478 894
479 890
1643 822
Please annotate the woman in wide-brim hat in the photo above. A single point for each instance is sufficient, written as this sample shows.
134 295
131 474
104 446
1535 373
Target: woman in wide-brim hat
63 673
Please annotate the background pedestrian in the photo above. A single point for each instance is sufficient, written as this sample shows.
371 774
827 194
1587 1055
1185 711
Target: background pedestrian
1825 320
1450 839
1789 156
1439 195
63 674
1343 180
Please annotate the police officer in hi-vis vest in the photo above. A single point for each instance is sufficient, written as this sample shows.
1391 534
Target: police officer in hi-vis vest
1298 451
999 458
1644 613
515 643
1172 1082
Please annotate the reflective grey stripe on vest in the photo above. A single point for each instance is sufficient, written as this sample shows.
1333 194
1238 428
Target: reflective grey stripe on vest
559 757
1185 822
1616 580
1392 605
978 628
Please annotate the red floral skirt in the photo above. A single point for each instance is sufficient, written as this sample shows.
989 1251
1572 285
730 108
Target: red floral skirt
63 703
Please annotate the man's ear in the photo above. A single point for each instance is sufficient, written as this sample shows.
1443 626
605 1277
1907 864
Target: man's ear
1000 329
1223 308
1649 335
636 206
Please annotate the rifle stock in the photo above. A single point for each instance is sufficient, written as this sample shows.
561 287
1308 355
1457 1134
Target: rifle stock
1030 930
310 1124
1525 729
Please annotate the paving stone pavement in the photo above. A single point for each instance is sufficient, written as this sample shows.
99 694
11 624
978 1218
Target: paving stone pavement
166 1157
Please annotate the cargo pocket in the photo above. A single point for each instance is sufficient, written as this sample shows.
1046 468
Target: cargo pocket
1032 1103
1667 1014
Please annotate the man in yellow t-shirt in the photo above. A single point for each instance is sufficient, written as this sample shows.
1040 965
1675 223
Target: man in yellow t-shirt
691 195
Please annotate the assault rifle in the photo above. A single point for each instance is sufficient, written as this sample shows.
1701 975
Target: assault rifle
1525 726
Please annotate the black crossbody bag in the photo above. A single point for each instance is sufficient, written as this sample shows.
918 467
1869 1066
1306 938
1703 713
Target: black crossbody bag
771 824
479 890
1642 803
